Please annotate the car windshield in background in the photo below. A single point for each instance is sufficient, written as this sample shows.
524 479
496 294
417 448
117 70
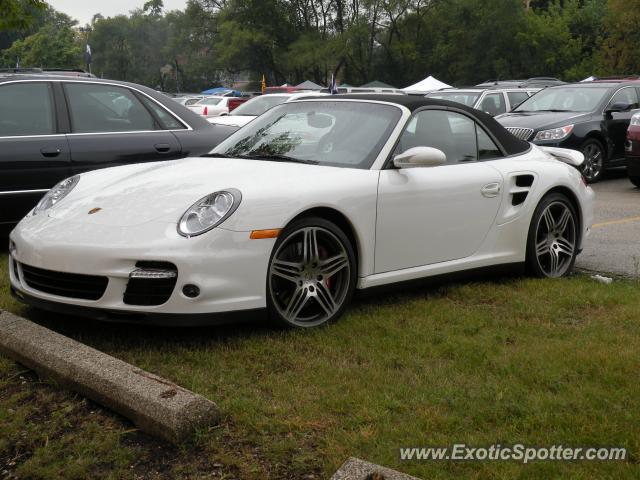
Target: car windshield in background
336 133
257 106
465 98
210 101
564 99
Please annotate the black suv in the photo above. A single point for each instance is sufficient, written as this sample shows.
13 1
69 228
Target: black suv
54 126
592 117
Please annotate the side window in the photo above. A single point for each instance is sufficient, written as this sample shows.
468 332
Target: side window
626 95
106 108
516 98
26 109
168 121
493 104
486 148
450 132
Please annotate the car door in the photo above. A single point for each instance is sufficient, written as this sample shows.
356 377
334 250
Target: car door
428 215
617 123
111 126
516 97
493 103
34 153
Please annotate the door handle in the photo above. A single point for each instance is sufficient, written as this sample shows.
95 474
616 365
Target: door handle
162 147
491 190
50 152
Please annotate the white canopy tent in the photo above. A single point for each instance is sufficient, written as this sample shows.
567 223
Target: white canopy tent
427 85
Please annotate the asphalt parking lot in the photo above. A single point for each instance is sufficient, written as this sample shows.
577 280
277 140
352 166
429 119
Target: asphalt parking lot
613 246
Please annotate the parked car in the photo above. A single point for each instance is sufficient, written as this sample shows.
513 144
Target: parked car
52 127
592 117
215 106
632 149
342 90
534 82
493 100
65 72
188 100
257 106
376 194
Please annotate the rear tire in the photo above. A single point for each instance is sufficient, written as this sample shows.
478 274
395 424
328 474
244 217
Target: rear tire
552 244
312 274
594 160
635 181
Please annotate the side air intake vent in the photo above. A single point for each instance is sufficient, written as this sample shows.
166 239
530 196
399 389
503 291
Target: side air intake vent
524 180
520 188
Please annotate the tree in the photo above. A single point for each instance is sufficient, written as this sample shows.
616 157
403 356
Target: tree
620 52
54 45
19 14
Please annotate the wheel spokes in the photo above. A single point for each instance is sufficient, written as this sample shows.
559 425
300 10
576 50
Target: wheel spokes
311 263
554 262
555 239
542 248
549 220
288 270
562 224
310 253
297 301
333 265
325 298
565 246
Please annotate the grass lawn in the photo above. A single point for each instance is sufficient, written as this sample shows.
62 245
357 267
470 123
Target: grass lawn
498 361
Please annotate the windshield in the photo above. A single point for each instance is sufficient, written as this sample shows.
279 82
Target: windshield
257 106
336 133
465 98
564 99
210 101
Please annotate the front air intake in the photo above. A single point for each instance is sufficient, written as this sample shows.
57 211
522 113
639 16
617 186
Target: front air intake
151 283
71 285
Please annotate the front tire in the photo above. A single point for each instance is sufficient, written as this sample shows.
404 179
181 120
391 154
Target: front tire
594 161
635 180
312 274
552 244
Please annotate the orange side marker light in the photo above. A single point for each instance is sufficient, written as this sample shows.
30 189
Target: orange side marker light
260 234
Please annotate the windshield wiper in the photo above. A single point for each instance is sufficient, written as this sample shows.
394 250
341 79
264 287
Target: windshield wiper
276 157
217 155
554 110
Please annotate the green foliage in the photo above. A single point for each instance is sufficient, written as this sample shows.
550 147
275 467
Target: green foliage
19 14
53 46
621 51
214 42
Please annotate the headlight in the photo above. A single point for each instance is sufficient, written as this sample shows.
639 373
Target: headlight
56 194
635 120
554 133
209 212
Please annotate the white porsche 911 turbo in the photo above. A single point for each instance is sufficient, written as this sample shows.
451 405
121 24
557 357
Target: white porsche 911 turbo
296 210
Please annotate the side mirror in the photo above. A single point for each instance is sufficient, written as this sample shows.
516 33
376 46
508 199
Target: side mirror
618 107
420 157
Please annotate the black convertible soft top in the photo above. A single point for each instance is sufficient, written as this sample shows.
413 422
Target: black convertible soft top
510 144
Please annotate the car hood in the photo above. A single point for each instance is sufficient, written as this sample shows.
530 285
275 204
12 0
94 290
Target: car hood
162 191
540 120
232 120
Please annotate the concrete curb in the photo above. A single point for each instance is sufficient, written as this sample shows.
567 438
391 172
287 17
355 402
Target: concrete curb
155 405
356 469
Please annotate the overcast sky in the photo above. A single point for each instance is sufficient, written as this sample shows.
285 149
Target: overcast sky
83 10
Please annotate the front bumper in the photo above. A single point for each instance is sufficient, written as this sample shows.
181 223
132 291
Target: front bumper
228 267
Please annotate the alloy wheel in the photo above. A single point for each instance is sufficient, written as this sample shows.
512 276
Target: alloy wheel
309 276
555 245
593 161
